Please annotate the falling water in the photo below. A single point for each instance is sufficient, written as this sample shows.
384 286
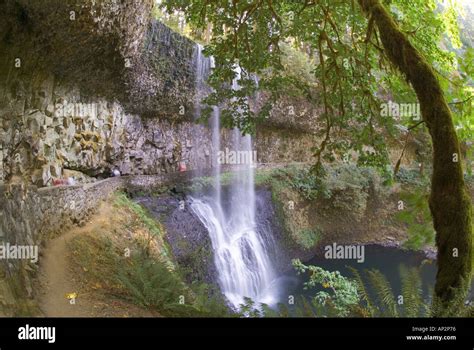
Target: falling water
202 66
240 250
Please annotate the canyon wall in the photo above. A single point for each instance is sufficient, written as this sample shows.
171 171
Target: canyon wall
65 135
93 138
113 89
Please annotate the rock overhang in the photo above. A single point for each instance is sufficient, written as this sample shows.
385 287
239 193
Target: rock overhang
111 49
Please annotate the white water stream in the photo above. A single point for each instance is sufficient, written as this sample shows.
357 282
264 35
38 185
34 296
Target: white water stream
241 252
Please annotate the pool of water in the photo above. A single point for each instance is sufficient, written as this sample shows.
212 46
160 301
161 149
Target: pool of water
385 259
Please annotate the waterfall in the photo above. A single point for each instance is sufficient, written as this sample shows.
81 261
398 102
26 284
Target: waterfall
241 252
202 67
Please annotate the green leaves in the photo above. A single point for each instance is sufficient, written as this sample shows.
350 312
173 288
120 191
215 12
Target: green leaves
367 294
327 52
417 217
411 291
361 289
341 291
151 284
381 300
383 290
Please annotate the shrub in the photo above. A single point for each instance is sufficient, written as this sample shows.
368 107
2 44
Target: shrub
342 292
308 238
408 176
149 283
306 182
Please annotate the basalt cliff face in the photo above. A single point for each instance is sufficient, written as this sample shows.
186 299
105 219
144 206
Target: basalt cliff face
100 86
91 86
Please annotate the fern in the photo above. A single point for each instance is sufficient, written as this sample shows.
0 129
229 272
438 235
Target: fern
381 302
414 305
267 311
150 284
249 308
304 308
383 292
362 291
209 301
283 310
411 292
469 312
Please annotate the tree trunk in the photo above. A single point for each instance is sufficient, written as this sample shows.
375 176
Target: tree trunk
450 203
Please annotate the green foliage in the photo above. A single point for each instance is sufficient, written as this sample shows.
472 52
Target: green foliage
297 65
266 177
416 216
308 238
143 278
122 200
342 291
175 21
457 307
338 178
250 308
469 178
154 228
351 297
409 177
201 184
208 302
330 54
367 294
151 284
439 23
362 291
381 302
384 293
460 91
413 305
323 51
308 184
348 186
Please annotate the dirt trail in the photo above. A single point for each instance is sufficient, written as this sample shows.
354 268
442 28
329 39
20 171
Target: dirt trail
58 278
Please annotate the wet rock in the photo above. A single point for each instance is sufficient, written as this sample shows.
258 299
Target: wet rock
186 235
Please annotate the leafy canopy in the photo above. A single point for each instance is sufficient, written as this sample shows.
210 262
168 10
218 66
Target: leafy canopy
348 75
